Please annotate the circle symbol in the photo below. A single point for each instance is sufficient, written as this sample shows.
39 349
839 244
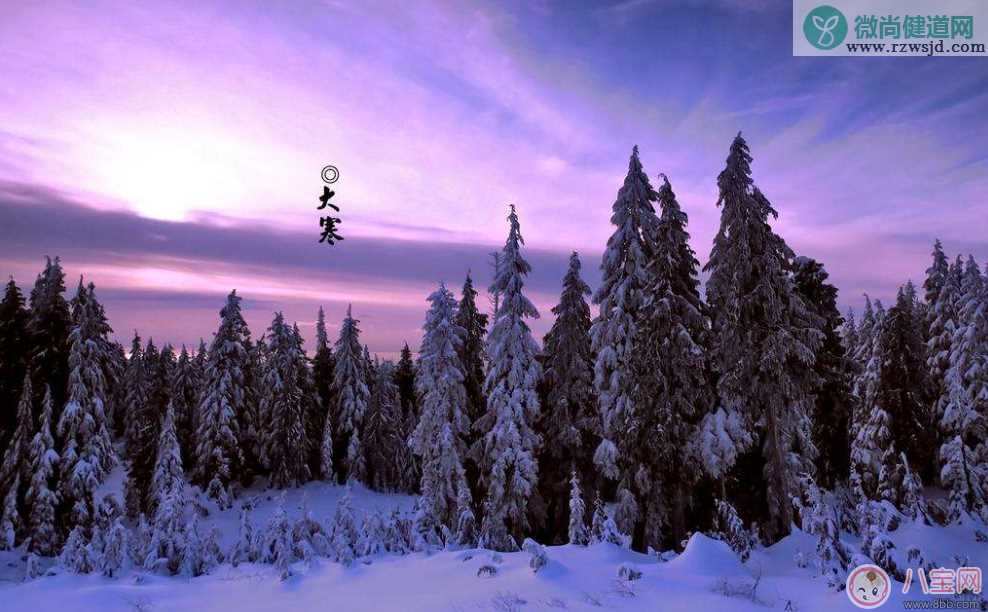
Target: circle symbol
868 586
825 27
330 174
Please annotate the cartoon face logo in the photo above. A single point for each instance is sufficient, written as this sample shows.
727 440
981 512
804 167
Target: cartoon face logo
868 586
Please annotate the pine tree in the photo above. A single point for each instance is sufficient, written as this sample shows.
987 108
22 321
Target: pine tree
40 498
185 400
145 427
14 349
87 452
223 397
168 501
943 324
577 532
764 338
404 378
277 544
283 406
620 296
936 274
834 401
963 456
318 405
244 551
672 393
509 471
471 351
439 440
602 526
343 532
387 449
903 389
48 329
14 474
569 424
352 395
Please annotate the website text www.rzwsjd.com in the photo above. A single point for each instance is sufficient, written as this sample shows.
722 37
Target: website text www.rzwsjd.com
927 48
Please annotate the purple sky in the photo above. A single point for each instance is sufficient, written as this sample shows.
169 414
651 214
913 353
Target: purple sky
171 151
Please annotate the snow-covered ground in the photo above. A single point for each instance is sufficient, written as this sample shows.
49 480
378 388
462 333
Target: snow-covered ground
706 576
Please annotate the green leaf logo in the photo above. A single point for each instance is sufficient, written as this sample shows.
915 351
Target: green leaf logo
825 27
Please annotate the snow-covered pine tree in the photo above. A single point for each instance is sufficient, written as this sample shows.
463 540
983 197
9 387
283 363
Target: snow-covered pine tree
404 379
224 396
76 555
602 526
621 294
471 351
168 501
87 451
351 394
763 341
834 401
14 473
185 401
570 423
386 448
439 440
943 324
903 389
317 407
40 499
283 408
343 534
963 456
244 550
509 472
48 328
672 391
732 529
936 274
577 530
145 426
277 546
14 350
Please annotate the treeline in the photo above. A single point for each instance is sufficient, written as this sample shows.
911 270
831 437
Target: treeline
739 411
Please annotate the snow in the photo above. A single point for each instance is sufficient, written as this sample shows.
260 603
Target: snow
706 575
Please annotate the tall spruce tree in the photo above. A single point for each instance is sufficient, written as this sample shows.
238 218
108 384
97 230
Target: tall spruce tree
14 475
145 425
509 472
323 364
40 499
569 424
834 401
764 339
48 329
87 451
963 455
14 348
352 394
439 440
386 447
943 324
283 405
185 401
224 395
474 324
672 394
904 390
621 294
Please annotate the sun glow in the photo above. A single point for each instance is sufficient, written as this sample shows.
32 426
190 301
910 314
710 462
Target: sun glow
166 174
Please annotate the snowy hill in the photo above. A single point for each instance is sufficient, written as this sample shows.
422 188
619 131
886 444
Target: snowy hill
706 575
